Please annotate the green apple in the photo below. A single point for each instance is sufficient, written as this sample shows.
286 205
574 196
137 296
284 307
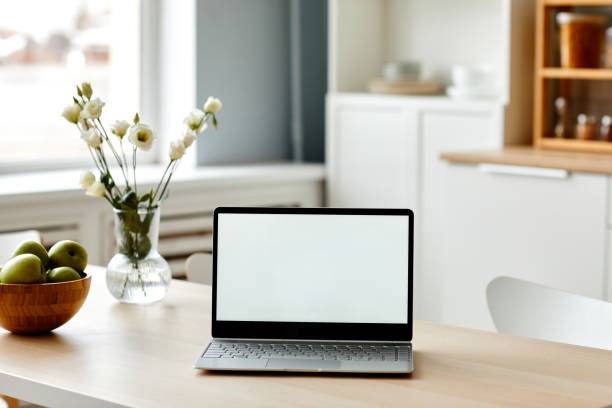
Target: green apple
34 248
68 253
62 274
24 268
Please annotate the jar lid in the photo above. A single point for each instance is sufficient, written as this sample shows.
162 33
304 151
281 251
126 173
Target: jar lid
584 119
567 17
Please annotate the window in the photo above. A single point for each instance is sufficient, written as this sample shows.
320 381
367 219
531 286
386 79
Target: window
46 48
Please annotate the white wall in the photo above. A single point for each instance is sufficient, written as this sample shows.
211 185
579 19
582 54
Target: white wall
444 32
366 34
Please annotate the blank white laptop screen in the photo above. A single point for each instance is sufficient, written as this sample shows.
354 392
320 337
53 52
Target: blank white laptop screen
312 268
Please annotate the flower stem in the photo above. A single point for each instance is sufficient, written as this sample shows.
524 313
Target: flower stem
124 285
99 165
102 131
108 199
125 163
161 180
134 164
106 169
174 163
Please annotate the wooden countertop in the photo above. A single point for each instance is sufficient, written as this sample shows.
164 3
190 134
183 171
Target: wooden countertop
529 156
118 355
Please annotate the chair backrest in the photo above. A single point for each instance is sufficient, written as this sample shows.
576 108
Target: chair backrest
10 240
199 268
527 309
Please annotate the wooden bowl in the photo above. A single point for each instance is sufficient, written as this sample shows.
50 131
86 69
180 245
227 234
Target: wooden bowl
39 308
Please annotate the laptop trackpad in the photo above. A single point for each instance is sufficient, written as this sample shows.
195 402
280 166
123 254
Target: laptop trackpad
302 364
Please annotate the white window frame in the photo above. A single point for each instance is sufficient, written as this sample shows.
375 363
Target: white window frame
167 83
168 70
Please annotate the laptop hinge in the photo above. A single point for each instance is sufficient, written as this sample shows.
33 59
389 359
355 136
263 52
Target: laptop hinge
313 341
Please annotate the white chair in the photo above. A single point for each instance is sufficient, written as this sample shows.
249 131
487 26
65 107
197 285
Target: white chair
199 268
10 240
527 309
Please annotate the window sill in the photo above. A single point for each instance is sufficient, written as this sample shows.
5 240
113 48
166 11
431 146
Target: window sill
65 183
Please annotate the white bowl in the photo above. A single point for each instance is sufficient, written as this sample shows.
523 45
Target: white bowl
478 77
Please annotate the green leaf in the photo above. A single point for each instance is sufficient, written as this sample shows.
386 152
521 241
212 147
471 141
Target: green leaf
146 222
214 122
130 201
104 178
136 118
75 100
144 197
79 92
144 246
131 220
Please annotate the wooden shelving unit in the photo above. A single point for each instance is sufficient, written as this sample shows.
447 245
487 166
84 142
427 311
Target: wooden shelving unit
546 73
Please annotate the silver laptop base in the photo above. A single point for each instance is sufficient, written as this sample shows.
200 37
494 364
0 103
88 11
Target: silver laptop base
307 356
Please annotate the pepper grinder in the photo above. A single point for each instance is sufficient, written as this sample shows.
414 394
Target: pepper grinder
560 127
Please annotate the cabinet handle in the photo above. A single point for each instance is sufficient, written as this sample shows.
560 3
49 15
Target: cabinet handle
523 171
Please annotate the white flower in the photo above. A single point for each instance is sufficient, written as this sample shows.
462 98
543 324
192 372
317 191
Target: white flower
212 105
195 120
92 137
71 113
92 109
96 189
141 136
120 128
177 149
189 137
87 179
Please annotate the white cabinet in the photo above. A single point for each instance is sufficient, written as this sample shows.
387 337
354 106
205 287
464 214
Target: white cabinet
371 153
442 130
384 151
377 145
543 228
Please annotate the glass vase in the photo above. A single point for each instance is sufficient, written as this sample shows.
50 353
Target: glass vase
137 273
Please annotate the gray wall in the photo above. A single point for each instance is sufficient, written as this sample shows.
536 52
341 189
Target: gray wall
243 58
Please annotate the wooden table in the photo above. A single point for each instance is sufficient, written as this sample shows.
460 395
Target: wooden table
112 354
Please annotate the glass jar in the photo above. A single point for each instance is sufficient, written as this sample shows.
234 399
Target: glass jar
586 127
137 273
581 39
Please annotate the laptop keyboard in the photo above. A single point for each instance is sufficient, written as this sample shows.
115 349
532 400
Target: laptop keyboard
309 350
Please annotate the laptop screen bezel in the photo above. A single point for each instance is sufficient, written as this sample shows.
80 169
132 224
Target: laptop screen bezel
313 331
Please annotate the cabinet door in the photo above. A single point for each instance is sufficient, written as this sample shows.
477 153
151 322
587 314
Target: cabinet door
546 230
371 154
443 130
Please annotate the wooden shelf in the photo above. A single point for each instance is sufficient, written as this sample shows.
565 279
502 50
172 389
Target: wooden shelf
597 146
545 115
576 3
576 73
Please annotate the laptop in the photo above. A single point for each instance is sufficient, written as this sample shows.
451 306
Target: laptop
311 289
